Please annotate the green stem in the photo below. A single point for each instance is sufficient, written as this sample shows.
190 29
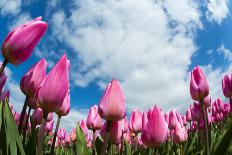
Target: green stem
25 127
3 66
41 134
22 115
55 134
106 138
206 136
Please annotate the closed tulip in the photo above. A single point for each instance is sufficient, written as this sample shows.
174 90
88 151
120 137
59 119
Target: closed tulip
155 132
49 126
180 134
144 120
188 115
227 86
65 107
135 124
112 105
33 78
199 87
37 116
172 120
55 86
61 134
83 127
94 121
20 42
116 131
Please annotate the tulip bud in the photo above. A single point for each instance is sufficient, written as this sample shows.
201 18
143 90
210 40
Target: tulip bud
49 126
20 42
135 124
94 121
227 86
61 134
172 120
37 116
188 115
84 127
55 86
112 105
65 107
144 120
33 78
155 132
199 87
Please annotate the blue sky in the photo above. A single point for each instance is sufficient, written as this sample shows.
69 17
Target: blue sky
150 47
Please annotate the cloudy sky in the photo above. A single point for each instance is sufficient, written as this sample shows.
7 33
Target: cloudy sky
150 46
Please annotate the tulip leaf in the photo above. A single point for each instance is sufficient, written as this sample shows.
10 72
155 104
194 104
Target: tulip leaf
223 145
10 138
98 145
127 148
81 146
31 145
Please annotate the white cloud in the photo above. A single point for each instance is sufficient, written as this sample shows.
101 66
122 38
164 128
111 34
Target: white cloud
217 10
133 42
10 7
226 52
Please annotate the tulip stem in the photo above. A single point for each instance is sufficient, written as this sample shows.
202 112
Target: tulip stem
106 138
22 115
41 134
206 136
25 127
94 138
55 134
3 66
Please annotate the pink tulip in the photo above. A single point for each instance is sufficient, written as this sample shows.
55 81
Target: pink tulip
61 134
50 117
188 115
94 121
33 78
73 135
37 116
135 124
196 112
83 127
116 131
144 120
112 105
65 107
199 87
49 126
207 101
155 132
227 86
54 88
180 134
172 120
125 126
166 116
20 42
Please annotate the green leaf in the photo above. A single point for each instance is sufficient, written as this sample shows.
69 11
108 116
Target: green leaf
223 145
98 145
12 139
127 148
81 146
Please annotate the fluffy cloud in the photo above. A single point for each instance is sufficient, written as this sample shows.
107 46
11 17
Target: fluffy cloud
147 45
10 7
21 19
226 52
217 10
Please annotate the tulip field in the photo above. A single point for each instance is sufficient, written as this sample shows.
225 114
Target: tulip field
204 129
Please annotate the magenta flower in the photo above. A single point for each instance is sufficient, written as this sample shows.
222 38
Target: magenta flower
55 86
116 130
155 132
227 86
49 126
199 87
83 127
144 119
180 134
32 102
112 105
20 42
65 107
135 123
94 121
61 134
188 115
207 101
172 120
33 78
37 116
